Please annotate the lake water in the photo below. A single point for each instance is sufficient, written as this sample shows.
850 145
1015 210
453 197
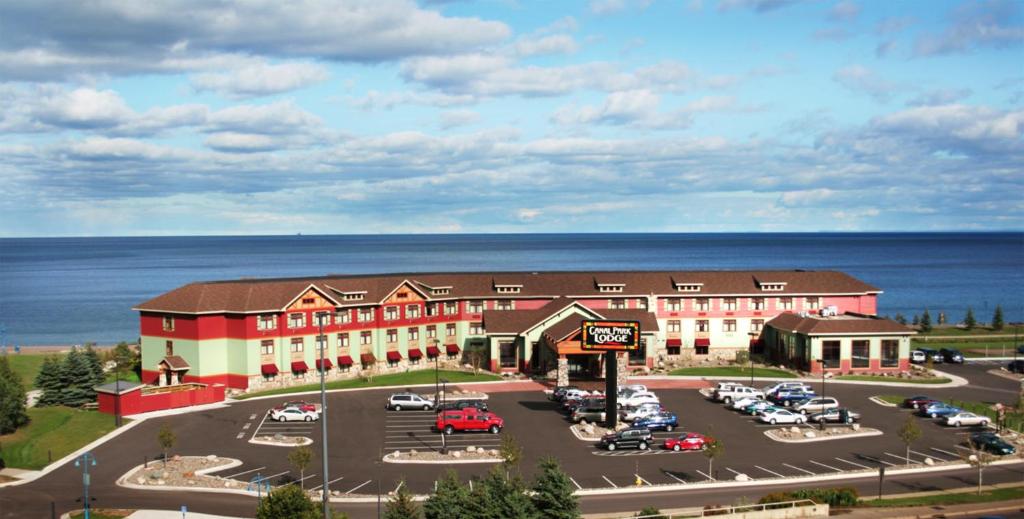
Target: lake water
73 290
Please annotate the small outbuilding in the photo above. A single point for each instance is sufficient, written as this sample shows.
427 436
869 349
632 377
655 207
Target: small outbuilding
845 343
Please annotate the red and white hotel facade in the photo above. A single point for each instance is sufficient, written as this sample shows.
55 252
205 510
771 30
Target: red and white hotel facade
254 333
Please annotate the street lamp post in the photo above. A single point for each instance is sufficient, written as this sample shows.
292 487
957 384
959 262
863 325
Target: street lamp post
85 461
444 397
437 396
325 492
824 365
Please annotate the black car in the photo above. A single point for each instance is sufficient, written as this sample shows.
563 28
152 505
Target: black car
632 438
951 355
931 354
1016 366
583 404
991 442
462 404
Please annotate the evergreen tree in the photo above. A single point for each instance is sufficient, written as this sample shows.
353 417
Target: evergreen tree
900 318
969 321
12 399
926 321
76 380
497 497
553 497
449 501
916 321
48 380
997 318
95 365
401 505
287 501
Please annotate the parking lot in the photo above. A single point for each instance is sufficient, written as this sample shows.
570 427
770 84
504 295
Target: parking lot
414 430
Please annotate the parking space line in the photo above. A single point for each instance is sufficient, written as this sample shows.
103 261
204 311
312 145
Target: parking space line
252 416
610 482
962 448
240 436
260 425
800 469
854 463
644 481
246 426
246 472
360 486
897 456
769 471
826 466
578 487
274 476
332 481
703 474
733 471
303 479
940 458
944 451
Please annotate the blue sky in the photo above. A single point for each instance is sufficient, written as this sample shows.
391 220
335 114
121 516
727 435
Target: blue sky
391 116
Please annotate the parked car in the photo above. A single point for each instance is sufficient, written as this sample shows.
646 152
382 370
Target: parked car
558 392
915 402
570 406
952 355
468 419
787 397
742 403
574 393
301 404
722 386
965 418
687 441
815 405
787 386
834 415
588 414
937 410
931 354
462 404
728 395
293 414
633 387
759 407
399 401
1015 366
630 413
782 416
991 442
631 438
663 420
918 357
643 397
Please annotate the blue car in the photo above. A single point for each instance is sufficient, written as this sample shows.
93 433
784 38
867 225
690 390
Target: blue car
758 407
661 421
938 410
788 397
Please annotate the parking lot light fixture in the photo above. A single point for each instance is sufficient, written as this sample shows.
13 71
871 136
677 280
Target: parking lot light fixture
85 461
325 492
444 397
821 423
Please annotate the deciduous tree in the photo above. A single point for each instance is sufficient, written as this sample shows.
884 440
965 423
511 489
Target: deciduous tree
300 457
715 448
909 433
166 439
287 501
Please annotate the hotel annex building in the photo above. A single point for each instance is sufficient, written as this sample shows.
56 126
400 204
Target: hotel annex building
255 333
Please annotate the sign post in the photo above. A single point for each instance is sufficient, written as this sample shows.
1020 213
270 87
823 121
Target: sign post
610 337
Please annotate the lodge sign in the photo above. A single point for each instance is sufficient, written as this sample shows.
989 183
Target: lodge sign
610 335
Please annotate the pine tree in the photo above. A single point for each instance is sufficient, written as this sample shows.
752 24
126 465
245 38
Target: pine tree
449 501
926 321
497 497
997 318
12 399
900 319
95 365
916 321
553 497
76 380
49 382
401 505
969 321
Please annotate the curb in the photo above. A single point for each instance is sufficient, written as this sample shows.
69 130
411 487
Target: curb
123 481
870 432
305 441
580 438
389 459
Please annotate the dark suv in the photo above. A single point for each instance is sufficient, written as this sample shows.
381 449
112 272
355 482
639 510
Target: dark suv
1016 366
951 355
462 404
632 438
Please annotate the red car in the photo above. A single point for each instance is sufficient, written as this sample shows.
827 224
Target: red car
468 419
301 405
916 402
687 442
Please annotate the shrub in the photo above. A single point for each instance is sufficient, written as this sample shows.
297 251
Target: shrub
842 496
650 512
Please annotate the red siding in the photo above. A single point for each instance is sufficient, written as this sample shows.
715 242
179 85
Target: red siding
135 402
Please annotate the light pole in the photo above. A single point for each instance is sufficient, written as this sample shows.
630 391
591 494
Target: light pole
85 461
437 396
824 365
444 397
325 492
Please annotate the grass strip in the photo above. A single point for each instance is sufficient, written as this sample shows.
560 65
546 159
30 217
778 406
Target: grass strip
959 498
410 378
26 366
59 430
877 378
952 331
732 371
1011 420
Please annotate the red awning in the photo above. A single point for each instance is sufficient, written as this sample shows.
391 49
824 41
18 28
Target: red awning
433 351
344 360
394 356
299 366
674 342
269 369
327 364
702 342
415 354
452 349
367 358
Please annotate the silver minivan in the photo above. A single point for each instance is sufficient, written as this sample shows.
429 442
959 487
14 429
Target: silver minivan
400 401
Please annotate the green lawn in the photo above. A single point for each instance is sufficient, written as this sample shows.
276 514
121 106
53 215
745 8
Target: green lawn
999 494
978 330
27 367
1012 420
972 347
732 371
892 399
425 376
877 378
61 430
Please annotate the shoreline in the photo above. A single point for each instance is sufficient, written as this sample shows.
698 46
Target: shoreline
50 349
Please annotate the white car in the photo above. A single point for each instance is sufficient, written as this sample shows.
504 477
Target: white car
789 386
815 405
639 398
630 414
293 414
633 387
736 393
782 416
965 418
918 357
723 386
744 402
575 393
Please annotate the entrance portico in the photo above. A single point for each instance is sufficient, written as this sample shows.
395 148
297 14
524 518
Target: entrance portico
172 370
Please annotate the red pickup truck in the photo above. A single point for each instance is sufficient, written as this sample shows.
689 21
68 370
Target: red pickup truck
468 419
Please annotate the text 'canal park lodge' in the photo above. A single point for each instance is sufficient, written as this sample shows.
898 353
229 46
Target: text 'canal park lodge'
253 333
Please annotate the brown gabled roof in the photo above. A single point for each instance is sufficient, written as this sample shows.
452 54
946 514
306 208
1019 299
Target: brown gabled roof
518 321
175 362
257 295
843 324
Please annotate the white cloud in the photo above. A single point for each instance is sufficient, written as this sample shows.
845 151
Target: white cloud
241 142
280 117
261 79
455 118
958 122
759 6
975 25
606 6
942 96
809 197
844 11
859 78
84 108
546 45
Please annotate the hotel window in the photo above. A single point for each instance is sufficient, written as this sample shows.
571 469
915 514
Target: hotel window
617 304
675 326
757 303
508 289
431 309
476 328
342 317
638 357
449 330
296 320
169 349
266 322
451 308
474 307
641 304
756 325
503 305
785 303
266 347
507 353
392 335
365 338
321 344
860 353
390 313
610 288
308 301
812 303
432 332
168 323
701 349
322 318
701 304
412 311
672 304
830 353
729 304
703 326
354 296
890 353
365 314
297 346
414 334
729 325
343 340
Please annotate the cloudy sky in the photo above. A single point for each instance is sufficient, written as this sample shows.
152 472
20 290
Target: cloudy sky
394 116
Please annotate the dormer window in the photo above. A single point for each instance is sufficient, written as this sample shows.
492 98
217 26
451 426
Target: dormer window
610 287
508 289
353 296
773 287
689 287
441 291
